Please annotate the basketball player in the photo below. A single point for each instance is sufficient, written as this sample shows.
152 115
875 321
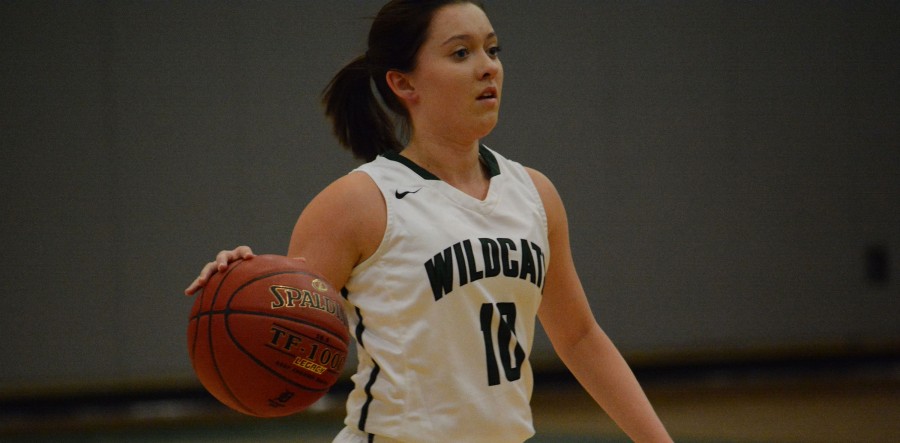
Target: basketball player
447 251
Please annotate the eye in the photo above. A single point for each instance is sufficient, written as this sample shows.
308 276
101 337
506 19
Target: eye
461 53
494 51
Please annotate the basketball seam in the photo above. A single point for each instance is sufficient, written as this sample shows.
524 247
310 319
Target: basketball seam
227 312
212 352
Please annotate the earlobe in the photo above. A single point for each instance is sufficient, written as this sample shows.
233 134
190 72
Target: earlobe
401 85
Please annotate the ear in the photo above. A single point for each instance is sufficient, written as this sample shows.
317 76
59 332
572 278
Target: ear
402 86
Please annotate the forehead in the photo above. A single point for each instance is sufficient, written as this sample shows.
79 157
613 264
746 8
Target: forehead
461 19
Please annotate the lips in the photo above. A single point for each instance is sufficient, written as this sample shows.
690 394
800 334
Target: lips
488 93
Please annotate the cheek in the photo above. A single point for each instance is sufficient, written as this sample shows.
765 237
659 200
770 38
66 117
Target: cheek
437 89
449 94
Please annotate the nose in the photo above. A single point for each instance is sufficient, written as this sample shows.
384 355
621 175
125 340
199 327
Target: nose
489 67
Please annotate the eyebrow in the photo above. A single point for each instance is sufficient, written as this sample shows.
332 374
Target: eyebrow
467 37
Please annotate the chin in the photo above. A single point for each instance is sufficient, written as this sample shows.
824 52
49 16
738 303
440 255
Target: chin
487 125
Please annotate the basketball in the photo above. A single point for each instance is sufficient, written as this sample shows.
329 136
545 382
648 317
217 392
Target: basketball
268 337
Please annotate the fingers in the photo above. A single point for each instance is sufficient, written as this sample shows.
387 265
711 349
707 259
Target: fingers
224 258
201 279
199 282
220 264
245 252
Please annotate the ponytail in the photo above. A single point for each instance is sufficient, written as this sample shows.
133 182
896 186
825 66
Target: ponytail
358 120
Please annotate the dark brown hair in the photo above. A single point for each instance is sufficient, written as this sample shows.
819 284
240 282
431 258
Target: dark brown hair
358 119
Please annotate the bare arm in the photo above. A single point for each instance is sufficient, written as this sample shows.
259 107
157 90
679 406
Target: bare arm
580 342
341 227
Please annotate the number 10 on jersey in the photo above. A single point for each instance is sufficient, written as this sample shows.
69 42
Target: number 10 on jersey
510 358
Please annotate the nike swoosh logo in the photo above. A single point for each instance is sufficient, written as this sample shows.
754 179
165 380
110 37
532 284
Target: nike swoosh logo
400 195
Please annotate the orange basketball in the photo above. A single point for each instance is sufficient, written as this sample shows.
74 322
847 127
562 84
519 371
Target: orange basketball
268 337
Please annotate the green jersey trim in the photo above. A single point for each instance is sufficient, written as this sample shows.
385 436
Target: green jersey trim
487 157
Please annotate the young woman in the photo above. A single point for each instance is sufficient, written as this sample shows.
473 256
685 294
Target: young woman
446 250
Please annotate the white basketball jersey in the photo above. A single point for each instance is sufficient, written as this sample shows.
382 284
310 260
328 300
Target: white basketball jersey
443 312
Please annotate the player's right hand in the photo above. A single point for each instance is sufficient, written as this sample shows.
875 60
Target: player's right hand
223 259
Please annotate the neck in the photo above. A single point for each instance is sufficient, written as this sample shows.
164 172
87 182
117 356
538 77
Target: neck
457 164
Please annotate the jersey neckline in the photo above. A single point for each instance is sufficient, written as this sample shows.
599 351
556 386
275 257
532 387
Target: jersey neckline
484 154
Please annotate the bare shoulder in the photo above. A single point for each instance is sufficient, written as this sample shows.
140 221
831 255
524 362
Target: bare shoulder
341 226
352 191
540 180
553 204
347 204
352 205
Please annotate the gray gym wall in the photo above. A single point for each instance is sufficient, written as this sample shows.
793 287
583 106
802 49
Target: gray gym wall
731 169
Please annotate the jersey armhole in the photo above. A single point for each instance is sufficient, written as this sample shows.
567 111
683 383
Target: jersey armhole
388 227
